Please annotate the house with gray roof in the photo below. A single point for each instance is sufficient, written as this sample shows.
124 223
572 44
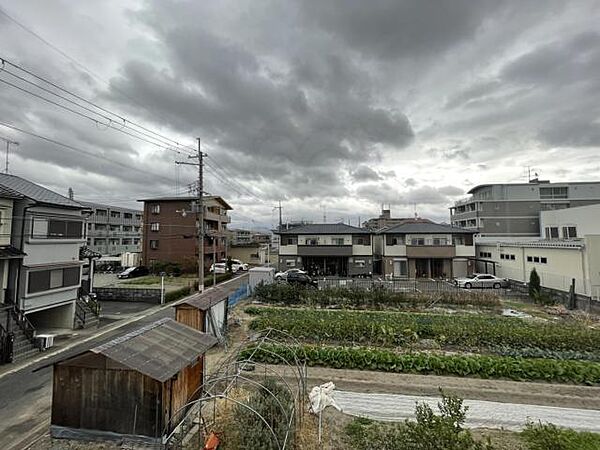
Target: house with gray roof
47 230
421 248
327 249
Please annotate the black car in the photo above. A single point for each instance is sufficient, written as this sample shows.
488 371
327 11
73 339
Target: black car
301 278
134 272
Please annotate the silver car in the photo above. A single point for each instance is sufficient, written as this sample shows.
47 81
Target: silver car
481 280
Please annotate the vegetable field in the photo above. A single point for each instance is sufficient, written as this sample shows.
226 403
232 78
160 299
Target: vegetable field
481 366
508 336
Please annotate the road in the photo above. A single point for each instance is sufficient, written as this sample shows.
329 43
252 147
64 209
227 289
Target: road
509 416
26 395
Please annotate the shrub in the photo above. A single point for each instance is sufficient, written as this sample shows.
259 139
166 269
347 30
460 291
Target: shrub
429 431
220 277
177 294
534 284
538 436
481 366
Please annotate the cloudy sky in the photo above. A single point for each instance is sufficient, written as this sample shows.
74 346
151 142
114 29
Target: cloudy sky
331 106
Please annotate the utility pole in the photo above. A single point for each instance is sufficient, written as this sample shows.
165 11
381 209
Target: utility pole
8 144
199 213
280 217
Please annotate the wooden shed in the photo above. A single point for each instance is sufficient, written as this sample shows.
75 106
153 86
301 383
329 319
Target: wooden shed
132 385
205 311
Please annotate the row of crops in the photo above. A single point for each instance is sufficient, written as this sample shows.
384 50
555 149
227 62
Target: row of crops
481 366
356 298
508 336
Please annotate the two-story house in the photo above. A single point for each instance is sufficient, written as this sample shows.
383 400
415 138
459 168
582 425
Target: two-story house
48 229
169 232
425 249
328 249
10 257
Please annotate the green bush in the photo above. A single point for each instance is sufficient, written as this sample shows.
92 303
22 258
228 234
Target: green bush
429 431
480 366
378 298
534 284
538 436
177 294
398 328
220 277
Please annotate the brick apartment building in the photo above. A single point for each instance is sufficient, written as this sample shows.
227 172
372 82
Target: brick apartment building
169 230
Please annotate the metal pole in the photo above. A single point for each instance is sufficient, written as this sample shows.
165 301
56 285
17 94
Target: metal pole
162 289
6 164
200 221
215 260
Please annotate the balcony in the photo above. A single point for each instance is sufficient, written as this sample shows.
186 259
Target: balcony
324 250
430 251
224 218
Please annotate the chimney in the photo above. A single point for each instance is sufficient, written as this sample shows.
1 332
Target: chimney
386 214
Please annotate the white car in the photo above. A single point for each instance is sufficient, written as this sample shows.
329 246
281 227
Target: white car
281 276
236 265
218 268
481 280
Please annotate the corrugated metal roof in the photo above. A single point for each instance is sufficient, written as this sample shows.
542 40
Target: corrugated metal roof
425 227
159 350
205 300
325 228
36 192
9 193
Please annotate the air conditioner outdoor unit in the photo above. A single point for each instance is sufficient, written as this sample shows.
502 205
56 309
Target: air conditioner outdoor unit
44 341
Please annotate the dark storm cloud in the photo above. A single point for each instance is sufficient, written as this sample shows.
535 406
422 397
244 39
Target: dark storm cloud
365 173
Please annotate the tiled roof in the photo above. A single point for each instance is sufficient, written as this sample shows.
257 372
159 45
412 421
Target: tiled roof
35 192
187 198
159 350
325 228
425 227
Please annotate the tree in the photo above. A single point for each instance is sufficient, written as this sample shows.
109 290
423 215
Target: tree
534 284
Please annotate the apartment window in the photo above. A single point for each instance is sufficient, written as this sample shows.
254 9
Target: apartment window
512 257
530 259
544 260
361 240
154 244
289 240
99 241
139 216
440 241
101 213
554 192
155 226
569 232
126 242
64 229
155 209
312 242
485 254
458 240
115 228
394 240
136 229
89 226
45 280
127 216
100 227
127 228
507 256
359 263
136 241
115 214
417 241
551 232
536 259
337 241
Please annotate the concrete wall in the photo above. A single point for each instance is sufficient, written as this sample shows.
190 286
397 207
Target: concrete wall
585 218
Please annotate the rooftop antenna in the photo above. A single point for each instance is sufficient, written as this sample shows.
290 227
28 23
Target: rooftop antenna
8 144
70 193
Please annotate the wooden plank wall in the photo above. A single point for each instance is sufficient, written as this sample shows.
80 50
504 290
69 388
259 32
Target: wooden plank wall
122 401
190 316
183 389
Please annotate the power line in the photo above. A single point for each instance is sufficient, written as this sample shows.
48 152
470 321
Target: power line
76 149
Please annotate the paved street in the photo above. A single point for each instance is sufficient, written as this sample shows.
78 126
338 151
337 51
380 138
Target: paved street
25 396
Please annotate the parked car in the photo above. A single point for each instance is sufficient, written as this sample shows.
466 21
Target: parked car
282 276
218 268
301 278
133 272
236 265
481 280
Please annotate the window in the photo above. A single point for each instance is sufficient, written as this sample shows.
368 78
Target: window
544 260
138 217
290 262
115 214
127 216
569 232
417 241
361 240
100 227
536 259
440 241
530 259
502 255
44 280
485 254
126 242
115 228
136 241
506 256
312 242
554 192
99 241
89 226
289 240
337 241
155 209
513 257
359 263
61 229
394 240
101 213
127 228
154 244
551 232
155 226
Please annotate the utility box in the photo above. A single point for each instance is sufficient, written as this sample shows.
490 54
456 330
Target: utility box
258 275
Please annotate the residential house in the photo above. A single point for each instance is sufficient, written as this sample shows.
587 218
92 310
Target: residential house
112 230
169 233
327 249
512 211
10 256
425 249
49 229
